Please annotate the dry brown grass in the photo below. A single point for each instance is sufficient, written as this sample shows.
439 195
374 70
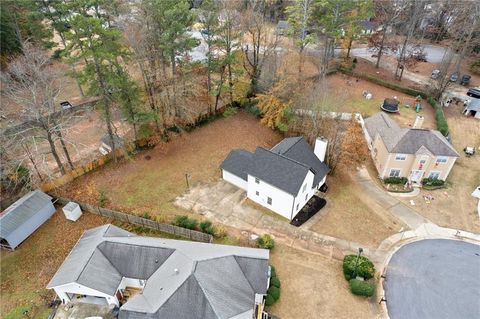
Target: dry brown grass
140 185
351 215
314 287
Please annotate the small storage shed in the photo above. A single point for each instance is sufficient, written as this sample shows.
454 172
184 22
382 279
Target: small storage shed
72 211
23 217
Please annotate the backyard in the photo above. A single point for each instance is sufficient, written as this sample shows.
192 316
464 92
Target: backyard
348 90
150 181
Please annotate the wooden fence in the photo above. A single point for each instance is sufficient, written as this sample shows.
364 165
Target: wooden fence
140 221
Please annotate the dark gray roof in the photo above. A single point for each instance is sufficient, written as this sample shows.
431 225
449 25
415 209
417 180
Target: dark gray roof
237 162
21 211
297 148
285 166
183 279
407 140
278 170
473 105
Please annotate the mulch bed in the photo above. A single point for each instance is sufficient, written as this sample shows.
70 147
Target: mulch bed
310 209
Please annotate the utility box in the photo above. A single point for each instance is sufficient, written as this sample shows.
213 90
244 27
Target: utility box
72 211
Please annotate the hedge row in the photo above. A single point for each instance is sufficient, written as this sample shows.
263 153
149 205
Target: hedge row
442 124
395 180
273 292
354 266
432 182
206 226
361 288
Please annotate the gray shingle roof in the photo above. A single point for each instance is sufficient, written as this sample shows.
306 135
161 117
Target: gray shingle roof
474 105
184 279
297 148
285 166
21 211
237 162
407 140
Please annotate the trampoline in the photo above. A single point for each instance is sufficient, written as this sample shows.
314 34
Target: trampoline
390 105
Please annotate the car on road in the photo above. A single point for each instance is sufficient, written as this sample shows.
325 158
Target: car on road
454 77
435 74
465 79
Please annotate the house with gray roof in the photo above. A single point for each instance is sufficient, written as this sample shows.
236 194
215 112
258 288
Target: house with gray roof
24 217
415 153
472 108
162 278
282 179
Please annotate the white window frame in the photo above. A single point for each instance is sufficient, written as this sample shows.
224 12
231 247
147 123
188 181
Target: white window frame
269 201
395 169
304 188
435 172
400 157
257 180
441 160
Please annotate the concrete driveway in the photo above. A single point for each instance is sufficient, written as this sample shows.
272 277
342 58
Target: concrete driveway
434 279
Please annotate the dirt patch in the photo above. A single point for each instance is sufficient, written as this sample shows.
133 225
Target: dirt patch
348 91
314 287
26 271
454 206
140 185
350 214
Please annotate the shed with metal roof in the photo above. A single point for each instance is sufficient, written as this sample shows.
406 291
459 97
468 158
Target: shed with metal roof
23 217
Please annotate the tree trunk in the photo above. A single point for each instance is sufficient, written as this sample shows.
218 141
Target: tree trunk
30 157
64 147
217 96
380 51
349 47
54 151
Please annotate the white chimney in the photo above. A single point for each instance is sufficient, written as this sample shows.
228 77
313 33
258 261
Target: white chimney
418 122
321 148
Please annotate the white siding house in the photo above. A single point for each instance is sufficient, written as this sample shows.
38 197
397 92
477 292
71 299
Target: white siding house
282 179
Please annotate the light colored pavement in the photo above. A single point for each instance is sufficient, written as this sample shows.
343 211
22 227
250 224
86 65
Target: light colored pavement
389 203
413 193
434 279
225 204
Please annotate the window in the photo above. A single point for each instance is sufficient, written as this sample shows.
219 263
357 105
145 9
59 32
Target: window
434 175
269 201
400 157
442 159
257 193
394 172
257 181
306 196
298 206
304 188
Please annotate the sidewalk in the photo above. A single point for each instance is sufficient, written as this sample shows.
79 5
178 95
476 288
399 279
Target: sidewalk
406 214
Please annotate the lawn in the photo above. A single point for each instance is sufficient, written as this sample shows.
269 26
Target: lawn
151 180
313 286
351 215
347 92
453 206
26 271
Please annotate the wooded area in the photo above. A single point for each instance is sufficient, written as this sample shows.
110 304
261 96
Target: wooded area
163 64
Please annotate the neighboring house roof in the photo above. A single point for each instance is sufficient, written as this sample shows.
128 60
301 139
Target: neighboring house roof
476 192
473 105
407 140
183 279
285 166
21 211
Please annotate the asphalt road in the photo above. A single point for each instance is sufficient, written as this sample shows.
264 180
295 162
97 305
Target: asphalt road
434 279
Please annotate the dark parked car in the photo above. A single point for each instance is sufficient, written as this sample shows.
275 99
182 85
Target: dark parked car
465 79
454 77
475 93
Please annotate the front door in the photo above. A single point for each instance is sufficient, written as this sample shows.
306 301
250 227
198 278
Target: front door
416 176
